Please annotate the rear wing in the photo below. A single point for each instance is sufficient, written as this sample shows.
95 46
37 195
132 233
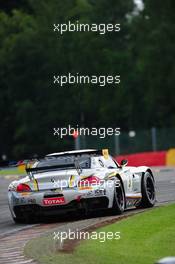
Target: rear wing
94 152
30 170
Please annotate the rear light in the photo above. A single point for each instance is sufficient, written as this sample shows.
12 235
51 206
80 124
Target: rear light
90 181
23 188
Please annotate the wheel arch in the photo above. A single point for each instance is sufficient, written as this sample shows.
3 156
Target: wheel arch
151 173
120 178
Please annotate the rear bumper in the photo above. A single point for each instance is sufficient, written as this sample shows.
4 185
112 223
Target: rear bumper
33 203
89 204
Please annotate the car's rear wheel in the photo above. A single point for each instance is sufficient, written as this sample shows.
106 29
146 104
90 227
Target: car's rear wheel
119 198
24 220
18 220
148 191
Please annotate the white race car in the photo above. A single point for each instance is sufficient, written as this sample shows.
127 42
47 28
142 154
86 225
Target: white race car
83 180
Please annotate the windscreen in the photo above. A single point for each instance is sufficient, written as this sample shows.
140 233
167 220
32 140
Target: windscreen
65 162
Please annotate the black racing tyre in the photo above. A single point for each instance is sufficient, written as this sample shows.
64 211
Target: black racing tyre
24 220
148 191
18 220
119 198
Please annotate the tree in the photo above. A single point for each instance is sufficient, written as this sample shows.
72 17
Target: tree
8 5
154 51
31 53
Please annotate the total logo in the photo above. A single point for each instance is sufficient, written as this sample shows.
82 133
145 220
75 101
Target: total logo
54 201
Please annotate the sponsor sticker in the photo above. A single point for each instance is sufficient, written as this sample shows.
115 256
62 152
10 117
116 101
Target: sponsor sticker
85 188
25 194
54 201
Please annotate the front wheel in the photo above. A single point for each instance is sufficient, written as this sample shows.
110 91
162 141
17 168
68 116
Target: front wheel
119 198
148 191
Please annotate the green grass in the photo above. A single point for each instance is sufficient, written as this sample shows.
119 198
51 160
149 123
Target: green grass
145 238
11 171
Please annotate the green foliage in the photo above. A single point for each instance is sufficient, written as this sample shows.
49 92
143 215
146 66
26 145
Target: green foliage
153 32
31 53
144 238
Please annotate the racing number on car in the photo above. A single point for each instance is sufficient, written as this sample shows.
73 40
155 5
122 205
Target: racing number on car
128 176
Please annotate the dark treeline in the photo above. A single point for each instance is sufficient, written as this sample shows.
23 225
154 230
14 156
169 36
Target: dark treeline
31 53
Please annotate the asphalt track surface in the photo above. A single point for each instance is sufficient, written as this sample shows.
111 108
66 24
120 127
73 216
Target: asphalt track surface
165 192
11 234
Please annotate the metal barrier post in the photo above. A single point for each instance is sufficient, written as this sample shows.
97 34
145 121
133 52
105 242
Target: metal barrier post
154 138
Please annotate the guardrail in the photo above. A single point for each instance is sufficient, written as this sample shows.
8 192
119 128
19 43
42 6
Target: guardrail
156 158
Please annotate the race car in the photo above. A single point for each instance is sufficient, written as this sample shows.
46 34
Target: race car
79 181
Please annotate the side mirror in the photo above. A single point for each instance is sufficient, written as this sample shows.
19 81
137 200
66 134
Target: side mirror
123 163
